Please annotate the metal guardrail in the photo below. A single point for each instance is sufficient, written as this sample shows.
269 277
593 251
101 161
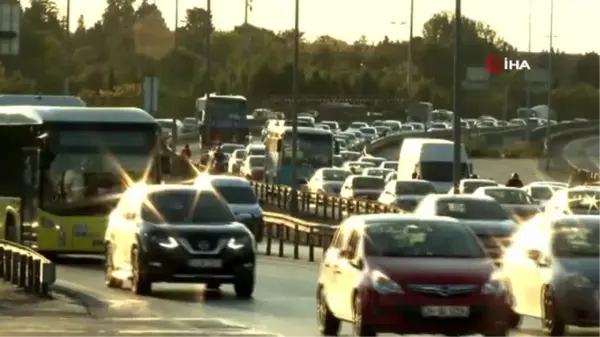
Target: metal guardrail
26 268
568 135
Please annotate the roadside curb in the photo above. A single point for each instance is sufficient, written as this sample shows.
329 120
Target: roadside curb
92 304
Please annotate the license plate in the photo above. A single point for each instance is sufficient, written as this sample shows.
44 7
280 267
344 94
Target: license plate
445 311
205 263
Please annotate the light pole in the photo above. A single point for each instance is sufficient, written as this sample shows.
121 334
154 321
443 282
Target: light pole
410 38
456 167
208 67
550 52
294 203
67 80
247 9
527 82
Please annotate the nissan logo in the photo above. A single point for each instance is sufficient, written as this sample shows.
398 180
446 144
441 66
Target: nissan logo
204 245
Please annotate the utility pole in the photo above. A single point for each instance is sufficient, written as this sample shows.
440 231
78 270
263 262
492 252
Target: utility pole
247 9
410 38
550 52
294 203
67 80
176 24
209 88
527 80
456 130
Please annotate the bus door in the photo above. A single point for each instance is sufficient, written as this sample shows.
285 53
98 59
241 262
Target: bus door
31 193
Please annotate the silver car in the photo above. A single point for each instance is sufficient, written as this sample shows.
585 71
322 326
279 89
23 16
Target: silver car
240 197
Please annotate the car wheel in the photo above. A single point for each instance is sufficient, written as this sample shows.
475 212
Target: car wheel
244 285
109 280
140 285
329 325
358 326
552 323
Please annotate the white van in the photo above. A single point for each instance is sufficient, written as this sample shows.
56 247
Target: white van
433 160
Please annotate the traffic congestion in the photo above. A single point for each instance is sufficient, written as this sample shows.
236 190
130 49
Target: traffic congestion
452 263
478 260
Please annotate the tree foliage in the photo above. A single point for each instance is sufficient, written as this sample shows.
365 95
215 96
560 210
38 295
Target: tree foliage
107 61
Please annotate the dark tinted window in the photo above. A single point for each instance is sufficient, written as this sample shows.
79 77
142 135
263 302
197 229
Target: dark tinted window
440 171
471 209
350 156
542 192
109 139
509 196
257 161
186 206
471 186
414 188
237 194
421 239
368 183
576 239
256 151
335 175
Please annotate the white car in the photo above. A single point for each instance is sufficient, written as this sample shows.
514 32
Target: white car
253 168
362 187
406 194
468 186
256 150
235 161
542 191
389 164
516 201
577 200
376 172
327 180
356 167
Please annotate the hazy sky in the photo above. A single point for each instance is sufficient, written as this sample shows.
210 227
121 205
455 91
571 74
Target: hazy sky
576 22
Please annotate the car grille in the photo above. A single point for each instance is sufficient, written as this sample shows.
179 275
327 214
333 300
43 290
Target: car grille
203 241
443 290
494 245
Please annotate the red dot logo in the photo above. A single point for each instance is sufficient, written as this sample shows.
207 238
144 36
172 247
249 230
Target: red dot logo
493 63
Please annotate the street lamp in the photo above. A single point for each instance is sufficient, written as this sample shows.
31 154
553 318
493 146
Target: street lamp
67 80
410 38
456 130
550 51
294 201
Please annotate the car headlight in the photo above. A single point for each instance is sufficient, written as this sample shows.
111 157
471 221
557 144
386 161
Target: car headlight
384 285
493 287
579 281
240 242
165 241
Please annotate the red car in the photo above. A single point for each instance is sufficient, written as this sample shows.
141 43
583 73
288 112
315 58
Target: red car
393 273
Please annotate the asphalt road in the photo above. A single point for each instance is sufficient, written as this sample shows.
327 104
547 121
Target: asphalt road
284 302
583 153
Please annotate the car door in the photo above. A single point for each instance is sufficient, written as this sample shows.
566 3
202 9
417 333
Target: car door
330 267
347 275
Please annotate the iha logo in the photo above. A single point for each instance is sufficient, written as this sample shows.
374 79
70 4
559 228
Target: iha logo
496 64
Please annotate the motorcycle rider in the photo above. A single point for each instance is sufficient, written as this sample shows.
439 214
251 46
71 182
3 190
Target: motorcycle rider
514 181
217 158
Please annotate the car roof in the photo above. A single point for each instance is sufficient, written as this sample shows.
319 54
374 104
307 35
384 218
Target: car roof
460 197
484 188
368 219
468 180
25 114
256 146
222 180
575 217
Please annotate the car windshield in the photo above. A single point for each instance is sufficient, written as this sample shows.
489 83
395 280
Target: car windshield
584 202
186 206
377 172
374 160
240 154
414 188
471 209
509 196
440 171
542 192
576 239
338 161
229 148
420 239
237 194
470 186
369 131
257 151
392 165
368 183
257 161
350 156
335 175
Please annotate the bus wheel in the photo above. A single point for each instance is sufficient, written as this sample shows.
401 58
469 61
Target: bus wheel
10 232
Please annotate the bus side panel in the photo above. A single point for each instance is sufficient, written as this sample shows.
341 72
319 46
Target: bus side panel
73 234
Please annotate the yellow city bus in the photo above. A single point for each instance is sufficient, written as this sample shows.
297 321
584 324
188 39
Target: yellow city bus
64 169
